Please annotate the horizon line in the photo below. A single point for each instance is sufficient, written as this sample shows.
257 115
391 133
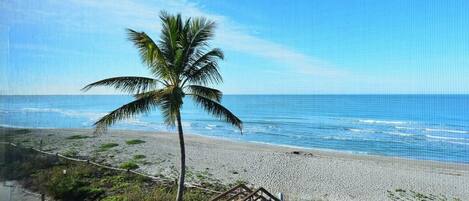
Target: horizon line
252 94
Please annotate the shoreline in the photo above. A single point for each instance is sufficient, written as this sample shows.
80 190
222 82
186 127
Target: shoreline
320 150
301 174
293 147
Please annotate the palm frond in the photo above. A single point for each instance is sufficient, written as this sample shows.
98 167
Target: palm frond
128 84
207 74
217 110
197 35
170 102
172 26
207 92
201 31
200 58
150 53
138 106
204 61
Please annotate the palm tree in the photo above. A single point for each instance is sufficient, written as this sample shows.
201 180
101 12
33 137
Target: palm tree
182 64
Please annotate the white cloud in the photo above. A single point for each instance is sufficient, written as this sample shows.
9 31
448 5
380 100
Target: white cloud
303 64
145 17
140 16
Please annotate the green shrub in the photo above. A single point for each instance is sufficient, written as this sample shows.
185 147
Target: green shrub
107 146
75 184
70 188
139 156
400 194
71 153
160 193
22 131
116 182
115 198
136 141
44 174
19 163
77 137
129 165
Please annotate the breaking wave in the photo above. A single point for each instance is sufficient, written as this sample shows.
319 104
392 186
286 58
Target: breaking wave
371 121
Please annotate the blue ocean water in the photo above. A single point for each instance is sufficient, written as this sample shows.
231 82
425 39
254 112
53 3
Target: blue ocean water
429 127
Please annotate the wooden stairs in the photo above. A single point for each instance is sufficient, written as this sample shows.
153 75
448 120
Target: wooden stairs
242 193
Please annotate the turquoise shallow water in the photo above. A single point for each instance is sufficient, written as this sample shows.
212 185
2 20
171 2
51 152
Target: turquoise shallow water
430 127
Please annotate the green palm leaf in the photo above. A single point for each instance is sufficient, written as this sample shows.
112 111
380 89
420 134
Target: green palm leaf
208 57
142 105
151 54
127 84
207 74
213 94
217 110
170 102
198 33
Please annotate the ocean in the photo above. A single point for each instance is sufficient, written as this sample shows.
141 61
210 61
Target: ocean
426 127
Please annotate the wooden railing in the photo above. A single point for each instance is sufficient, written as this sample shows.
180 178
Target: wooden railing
242 193
260 194
238 191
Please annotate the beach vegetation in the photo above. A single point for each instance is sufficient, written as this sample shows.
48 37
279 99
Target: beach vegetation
401 194
136 141
15 135
71 153
107 146
239 181
129 165
139 157
21 131
77 137
183 65
69 180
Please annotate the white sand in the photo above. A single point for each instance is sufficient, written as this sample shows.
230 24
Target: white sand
304 176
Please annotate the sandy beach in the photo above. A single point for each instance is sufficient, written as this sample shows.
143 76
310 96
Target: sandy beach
300 174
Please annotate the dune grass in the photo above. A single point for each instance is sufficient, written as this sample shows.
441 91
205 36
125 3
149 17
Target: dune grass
71 153
44 174
129 165
401 194
107 146
139 157
21 131
136 141
77 137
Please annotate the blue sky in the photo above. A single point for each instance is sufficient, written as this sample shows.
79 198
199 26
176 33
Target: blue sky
271 47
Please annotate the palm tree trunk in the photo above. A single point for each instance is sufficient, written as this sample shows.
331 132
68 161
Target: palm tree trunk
182 174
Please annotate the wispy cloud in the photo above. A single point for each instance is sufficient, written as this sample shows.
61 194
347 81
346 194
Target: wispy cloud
143 16
300 62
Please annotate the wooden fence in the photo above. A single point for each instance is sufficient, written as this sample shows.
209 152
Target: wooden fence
158 179
235 192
